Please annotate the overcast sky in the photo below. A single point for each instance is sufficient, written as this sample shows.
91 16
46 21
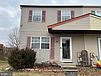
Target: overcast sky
10 12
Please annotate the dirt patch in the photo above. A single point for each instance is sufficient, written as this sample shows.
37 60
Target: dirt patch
89 71
36 73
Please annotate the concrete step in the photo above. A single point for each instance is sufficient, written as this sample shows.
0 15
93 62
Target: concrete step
70 70
69 67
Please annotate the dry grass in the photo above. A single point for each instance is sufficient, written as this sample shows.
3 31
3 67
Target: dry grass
37 74
3 65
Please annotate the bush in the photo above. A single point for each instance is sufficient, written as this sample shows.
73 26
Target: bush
2 58
20 59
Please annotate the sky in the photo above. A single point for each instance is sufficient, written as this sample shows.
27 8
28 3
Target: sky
10 13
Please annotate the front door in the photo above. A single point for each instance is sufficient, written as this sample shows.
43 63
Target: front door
99 44
66 49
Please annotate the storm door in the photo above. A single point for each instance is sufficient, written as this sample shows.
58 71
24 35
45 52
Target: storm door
66 49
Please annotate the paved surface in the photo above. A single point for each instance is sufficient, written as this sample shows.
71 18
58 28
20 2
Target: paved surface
99 75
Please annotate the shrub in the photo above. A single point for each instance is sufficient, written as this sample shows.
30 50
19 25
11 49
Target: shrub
20 59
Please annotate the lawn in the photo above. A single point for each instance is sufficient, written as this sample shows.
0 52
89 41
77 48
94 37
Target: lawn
36 74
3 65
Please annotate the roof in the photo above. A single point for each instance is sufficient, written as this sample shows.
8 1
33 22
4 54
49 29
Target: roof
70 20
61 5
74 31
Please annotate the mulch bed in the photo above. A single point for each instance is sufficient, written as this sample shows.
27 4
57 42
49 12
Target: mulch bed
89 71
43 67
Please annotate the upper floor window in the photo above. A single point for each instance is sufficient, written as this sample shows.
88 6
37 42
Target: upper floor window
98 13
65 15
37 15
40 42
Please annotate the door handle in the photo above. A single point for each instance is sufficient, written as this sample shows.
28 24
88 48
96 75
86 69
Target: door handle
60 47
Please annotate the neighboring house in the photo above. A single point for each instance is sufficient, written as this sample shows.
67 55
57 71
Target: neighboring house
1 49
59 32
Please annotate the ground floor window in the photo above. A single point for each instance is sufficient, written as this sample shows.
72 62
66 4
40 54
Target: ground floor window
40 42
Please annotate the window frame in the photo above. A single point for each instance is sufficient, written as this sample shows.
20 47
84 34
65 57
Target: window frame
71 50
96 12
44 42
34 42
99 48
62 14
41 42
33 15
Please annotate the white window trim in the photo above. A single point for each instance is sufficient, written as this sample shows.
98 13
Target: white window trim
41 16
62 12
33 42
96 12
99 48
66 60
45 42
40 42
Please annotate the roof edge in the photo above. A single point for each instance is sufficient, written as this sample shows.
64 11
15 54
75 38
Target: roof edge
59 5
70 20
66 21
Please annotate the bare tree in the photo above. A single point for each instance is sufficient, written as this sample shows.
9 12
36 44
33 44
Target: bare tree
14 38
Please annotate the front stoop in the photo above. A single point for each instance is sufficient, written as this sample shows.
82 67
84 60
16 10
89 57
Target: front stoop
70 67
70 70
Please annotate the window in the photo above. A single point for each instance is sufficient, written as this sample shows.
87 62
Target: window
36 42
37 15
44 42
98 13
65 15
40 42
